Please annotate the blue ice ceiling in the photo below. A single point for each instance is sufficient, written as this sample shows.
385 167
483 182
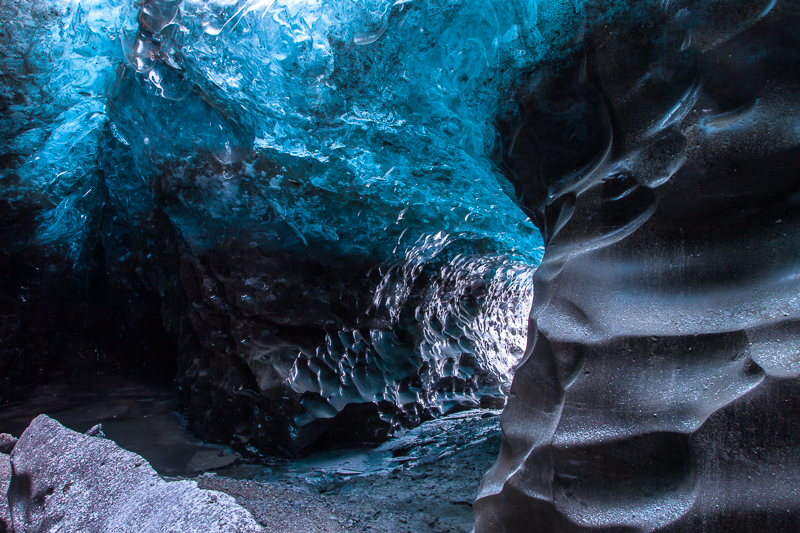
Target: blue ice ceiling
342 128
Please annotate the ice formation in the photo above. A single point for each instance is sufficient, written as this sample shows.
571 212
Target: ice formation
658 153
339 207
311 189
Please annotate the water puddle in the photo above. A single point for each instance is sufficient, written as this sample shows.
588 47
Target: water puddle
140 417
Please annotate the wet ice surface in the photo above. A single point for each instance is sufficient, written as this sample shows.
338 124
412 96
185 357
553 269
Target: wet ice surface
426 444
141 418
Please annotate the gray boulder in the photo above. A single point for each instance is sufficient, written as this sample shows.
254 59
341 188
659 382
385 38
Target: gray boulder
5 477
66 481
7 443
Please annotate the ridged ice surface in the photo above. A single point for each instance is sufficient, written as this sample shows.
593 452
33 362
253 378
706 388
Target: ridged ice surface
658 156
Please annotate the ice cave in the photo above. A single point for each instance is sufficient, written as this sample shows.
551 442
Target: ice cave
447 266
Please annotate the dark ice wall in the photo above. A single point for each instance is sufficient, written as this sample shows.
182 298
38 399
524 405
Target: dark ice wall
659 156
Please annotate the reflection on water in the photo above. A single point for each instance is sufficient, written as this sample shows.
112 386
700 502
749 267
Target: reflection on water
140 417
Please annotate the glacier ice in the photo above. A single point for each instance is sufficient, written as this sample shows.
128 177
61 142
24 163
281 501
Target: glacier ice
339 207
311 189
658 154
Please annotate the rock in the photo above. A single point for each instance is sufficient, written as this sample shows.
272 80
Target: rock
96 431
7 443
66 481
209 460
428 519
5 477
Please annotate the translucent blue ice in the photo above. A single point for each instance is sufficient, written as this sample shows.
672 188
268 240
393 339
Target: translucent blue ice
336 126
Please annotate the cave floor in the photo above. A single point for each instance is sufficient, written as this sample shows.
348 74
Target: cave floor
422 481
